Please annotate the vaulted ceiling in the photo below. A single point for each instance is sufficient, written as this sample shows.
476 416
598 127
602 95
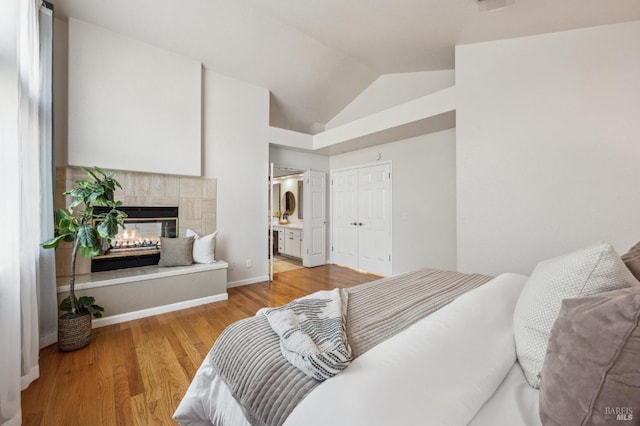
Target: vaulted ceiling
315 56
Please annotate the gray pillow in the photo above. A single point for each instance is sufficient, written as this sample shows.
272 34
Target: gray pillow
176 251
591 270
591 372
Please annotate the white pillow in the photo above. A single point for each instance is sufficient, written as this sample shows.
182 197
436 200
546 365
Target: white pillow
203 247
591 270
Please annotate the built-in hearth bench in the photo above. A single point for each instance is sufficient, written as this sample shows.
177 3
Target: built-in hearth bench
133 293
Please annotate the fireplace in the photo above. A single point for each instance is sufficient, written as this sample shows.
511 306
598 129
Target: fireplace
139 243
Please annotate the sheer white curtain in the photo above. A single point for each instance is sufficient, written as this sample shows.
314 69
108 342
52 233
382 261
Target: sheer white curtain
9 216
46 272
27 272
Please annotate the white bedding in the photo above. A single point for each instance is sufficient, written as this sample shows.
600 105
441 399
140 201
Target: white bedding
514 403
454 367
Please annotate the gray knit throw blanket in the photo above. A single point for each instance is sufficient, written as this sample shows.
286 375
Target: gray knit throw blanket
312 332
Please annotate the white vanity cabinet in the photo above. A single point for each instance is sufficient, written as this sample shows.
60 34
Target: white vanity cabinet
289 241
292 242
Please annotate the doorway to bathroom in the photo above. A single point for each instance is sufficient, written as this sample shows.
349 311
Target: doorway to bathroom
297 219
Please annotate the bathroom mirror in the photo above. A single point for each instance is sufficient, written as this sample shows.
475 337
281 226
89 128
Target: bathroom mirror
289 201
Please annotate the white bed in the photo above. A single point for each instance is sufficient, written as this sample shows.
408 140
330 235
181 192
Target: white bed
455 367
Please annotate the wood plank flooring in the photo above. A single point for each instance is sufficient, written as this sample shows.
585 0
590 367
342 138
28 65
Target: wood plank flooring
284 264
136 373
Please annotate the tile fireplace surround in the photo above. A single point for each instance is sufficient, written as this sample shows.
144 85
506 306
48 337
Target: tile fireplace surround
195 197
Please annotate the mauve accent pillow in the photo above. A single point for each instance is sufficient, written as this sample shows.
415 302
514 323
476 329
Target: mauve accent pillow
176 251
632 260
591 373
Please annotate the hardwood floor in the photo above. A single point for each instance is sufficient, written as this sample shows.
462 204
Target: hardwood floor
136 373
284 264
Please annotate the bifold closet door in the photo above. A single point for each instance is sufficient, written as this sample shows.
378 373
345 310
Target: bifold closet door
362 218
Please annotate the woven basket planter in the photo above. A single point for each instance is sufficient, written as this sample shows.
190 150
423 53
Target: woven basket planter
74 331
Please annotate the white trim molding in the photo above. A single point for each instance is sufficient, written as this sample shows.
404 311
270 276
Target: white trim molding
48 339
143 313
248 281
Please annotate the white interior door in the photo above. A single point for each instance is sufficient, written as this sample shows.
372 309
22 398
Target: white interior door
374 219
314 222
344 191
271 210
361 218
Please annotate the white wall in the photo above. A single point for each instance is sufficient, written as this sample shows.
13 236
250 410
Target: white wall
298 159
391 90
290 139
424 198
548 146
236 152
132 105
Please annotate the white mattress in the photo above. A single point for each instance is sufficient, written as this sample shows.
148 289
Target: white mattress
455 367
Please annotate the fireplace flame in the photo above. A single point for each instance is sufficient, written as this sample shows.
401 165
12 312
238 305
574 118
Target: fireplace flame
134 239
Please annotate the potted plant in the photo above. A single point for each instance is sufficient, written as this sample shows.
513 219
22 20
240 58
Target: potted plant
88 231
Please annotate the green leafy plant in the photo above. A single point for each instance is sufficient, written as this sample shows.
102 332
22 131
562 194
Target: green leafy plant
87 230
84 304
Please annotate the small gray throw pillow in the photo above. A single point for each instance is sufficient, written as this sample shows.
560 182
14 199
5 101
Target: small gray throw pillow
591 373
591 270
176 251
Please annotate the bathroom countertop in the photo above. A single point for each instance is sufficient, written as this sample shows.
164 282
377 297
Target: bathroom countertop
289 225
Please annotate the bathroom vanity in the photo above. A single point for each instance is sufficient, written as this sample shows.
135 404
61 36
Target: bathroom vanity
289 239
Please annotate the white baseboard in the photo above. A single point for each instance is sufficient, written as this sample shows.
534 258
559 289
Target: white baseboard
48 338
248 281
143 313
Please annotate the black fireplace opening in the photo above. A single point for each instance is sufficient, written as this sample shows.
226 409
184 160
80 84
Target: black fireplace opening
138 244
